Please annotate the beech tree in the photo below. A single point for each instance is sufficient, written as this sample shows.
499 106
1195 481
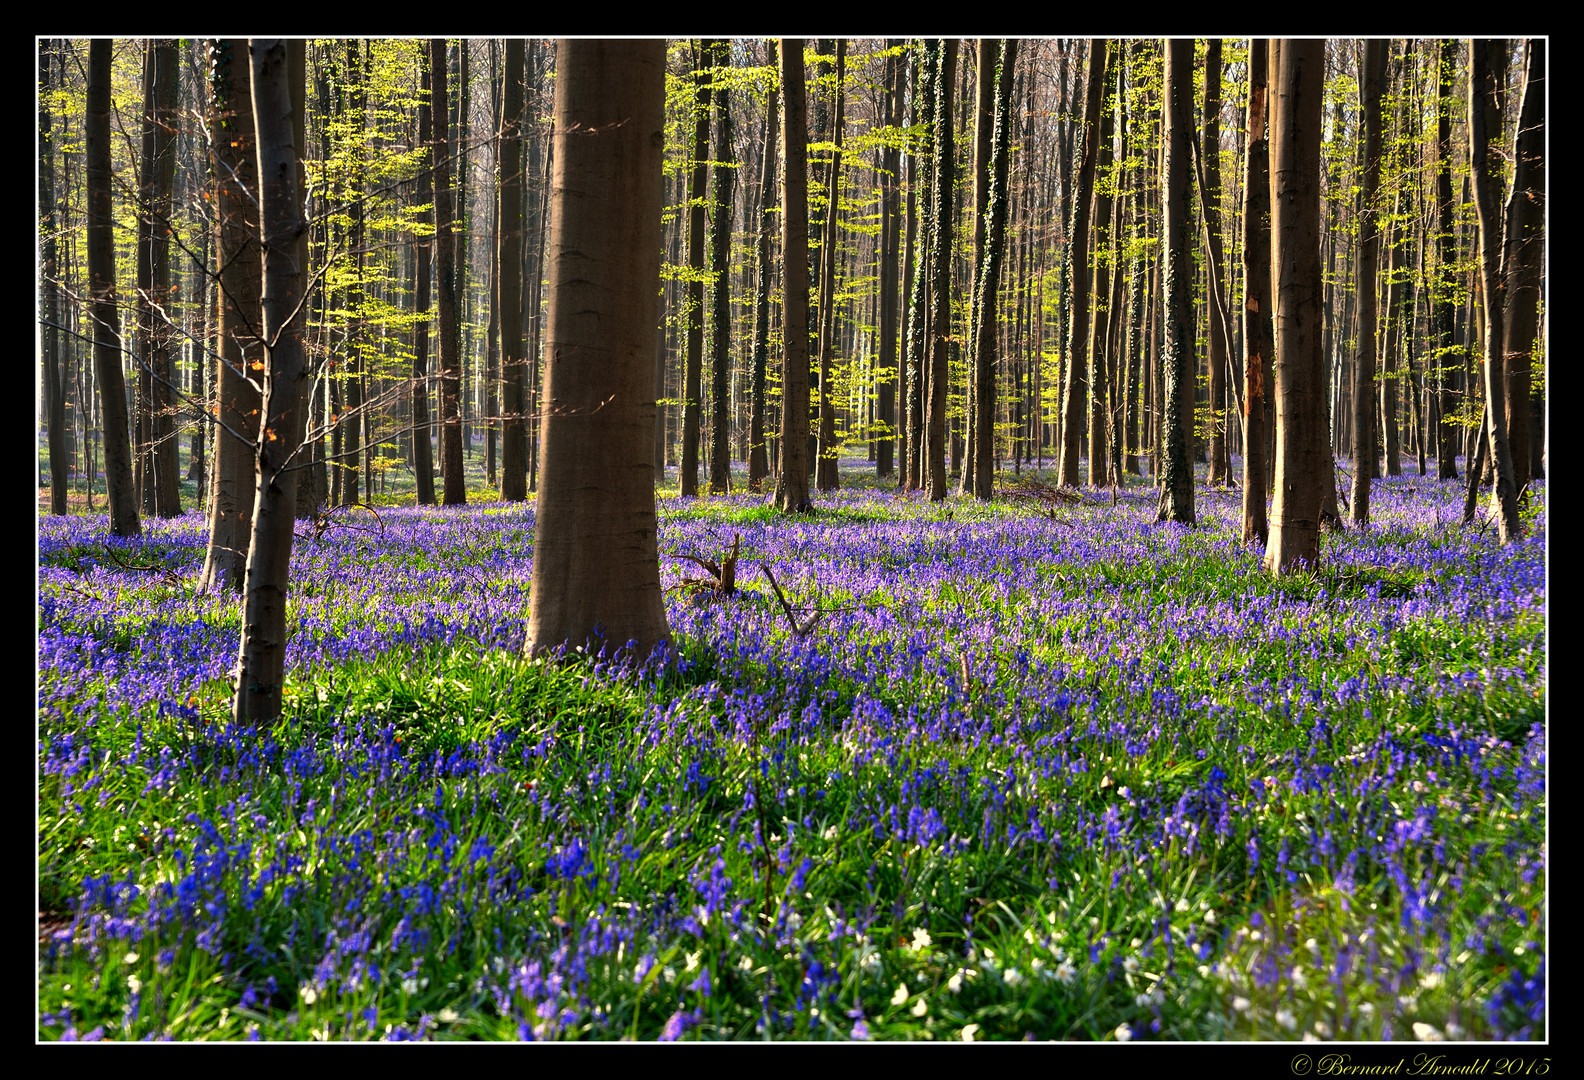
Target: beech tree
1074 390
277 67
1523 260
1256 296
1484 117
1372 71
792 494
104 323
509 229
596 566
1303 445
453 484
1176 436
241 359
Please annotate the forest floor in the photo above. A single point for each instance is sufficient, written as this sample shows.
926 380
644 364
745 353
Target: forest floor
1029 768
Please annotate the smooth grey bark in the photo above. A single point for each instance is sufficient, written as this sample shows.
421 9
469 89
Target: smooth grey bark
1303 442
943 212
423 257
984 330
1523 262
720 287
758 460
596 566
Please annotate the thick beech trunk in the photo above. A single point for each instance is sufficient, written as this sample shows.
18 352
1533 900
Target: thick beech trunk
1303 442
1177 493
596 566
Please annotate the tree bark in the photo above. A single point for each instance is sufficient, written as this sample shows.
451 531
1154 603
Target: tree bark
720 288
984 331
122 494
1370 77
1256 296
451 476
1485 163
596 565
261 659
1303 442
890 253
1078 269
1217 470
242 358
698 194
1177 493
826 475
943 212
514 361
792 495
758 460
1523 261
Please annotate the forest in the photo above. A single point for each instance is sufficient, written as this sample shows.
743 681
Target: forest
830 539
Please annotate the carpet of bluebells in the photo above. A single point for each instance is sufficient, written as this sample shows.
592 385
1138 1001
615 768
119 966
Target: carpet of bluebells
1003 771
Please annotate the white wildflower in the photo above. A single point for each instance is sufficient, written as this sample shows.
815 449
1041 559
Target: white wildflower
921 939
1012 977
969 1031
309 994
1426 1032
1131 965
1242 1004
1123 1033
920 1007
1182 905
901 995
1066 974
1286 1019
954 984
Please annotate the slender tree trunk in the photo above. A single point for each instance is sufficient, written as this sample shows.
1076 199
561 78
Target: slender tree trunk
941 243
1103 302
984 331
455 487
1218 469
1523 262
792 495
596 567
826 476
1484 120
698 195
1257 337
54 398
423 434
758 461
1078 269
124 520
720 288
514 362
242 358
926 72
1370 78
261 658
1443 304
1177 494
1303 444
889 362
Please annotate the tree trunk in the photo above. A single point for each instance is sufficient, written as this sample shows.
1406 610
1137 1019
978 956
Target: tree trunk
1523 261
1218 471
1177 493
941 242
452 480
984 330
1370 78
54 397
242 358
792 496
720 288
1442 301
698 195
1078 271
261 658
926 74
1303 443
889 255
758 460
826 477
1486 163
122 494
596 566
1256 296
514 361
